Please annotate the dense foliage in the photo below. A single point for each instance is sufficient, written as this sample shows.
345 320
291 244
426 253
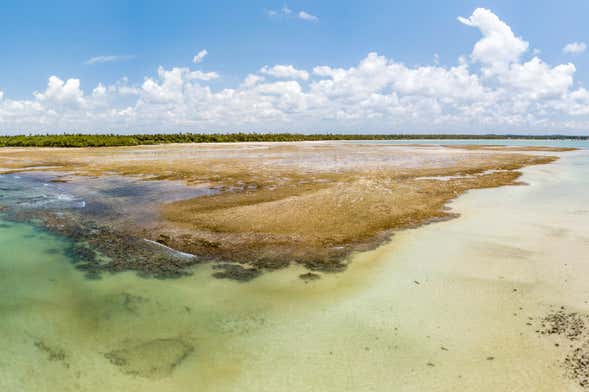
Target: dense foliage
82 140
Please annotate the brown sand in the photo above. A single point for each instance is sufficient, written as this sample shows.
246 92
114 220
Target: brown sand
311 203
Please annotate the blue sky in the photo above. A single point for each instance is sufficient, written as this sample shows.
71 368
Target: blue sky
134 38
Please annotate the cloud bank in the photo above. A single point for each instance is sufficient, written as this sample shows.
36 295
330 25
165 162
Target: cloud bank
499 86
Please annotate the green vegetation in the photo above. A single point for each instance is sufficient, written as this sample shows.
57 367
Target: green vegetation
110 140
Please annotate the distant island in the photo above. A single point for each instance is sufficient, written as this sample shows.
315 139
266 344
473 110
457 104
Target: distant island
112 140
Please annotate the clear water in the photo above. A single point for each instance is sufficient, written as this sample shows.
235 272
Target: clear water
584 144
423 312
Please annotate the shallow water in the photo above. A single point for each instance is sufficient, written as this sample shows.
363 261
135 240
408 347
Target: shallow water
424 312
584 144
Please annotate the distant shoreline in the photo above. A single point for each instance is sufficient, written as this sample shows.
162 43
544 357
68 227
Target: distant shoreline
115 140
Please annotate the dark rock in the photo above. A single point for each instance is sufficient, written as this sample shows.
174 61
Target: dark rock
330 265
53 353
154 359
236 272
309 276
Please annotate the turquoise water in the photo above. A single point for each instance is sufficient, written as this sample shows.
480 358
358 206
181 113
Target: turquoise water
372 328
584 144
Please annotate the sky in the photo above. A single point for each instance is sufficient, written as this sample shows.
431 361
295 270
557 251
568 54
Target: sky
300 66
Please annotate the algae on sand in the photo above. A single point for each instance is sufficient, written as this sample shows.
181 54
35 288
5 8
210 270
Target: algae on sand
153 359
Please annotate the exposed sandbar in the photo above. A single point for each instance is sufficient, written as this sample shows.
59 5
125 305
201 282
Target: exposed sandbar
277 203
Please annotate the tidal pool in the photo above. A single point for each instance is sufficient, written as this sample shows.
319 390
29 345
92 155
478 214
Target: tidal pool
448 306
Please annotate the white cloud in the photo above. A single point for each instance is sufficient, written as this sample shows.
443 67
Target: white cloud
307 16
326 71
59 92
575 47
199 57
122 88
280 88
172 84
499 47
199 75
99 91
284 72
500 91
108 59
286 12
538 80
251 80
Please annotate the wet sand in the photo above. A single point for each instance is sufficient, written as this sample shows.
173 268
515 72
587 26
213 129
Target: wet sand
450 306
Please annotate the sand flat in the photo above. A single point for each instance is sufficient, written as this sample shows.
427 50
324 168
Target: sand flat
272 204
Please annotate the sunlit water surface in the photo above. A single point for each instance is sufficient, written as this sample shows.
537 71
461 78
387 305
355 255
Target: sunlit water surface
442 307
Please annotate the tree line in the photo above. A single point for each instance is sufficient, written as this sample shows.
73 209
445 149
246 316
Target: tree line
112 140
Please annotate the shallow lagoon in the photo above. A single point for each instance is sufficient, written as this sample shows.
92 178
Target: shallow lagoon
425 312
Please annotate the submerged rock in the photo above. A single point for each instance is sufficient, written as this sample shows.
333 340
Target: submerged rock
154 359
329 265
309 276
577 365
53 353
235 272
570 326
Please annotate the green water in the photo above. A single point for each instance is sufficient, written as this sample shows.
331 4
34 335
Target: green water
423 312
195 333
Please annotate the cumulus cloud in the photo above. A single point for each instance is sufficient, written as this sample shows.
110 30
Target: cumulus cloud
498 87
59 92
199 75
285 72
307 16
575 47
499 47
99 91
252 80
538 80
199 57
108 59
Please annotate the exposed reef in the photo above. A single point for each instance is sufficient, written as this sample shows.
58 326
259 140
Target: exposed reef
251 207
